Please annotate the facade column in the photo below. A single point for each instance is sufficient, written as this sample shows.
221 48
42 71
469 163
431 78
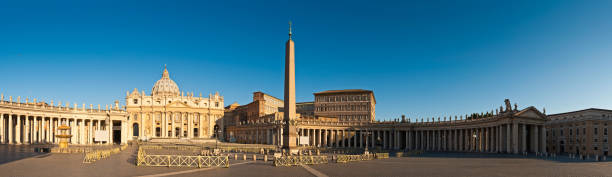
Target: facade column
190 126
172 127
163 124
181 125
152 124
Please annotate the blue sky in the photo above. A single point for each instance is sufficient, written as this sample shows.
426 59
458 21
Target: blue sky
421 58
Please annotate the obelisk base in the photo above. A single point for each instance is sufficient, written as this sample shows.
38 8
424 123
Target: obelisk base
290 140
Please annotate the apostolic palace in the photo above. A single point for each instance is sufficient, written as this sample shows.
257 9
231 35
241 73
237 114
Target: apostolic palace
344 119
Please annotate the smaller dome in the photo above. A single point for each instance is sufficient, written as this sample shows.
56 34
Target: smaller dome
165 86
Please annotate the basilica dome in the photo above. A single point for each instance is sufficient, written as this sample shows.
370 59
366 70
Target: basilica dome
165 86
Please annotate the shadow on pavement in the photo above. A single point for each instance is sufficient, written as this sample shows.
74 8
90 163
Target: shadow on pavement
10 153
563 159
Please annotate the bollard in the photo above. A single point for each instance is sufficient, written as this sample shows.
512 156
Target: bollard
254 157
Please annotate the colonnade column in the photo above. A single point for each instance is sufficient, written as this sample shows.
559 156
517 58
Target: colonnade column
18 131
26 130
542 139
535 138
2 128
515 137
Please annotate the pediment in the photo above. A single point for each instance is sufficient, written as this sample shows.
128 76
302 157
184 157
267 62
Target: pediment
531 112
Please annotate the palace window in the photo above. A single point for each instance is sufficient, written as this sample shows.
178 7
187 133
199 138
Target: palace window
561 132
216 104
135 101
570 132
595 131
605 131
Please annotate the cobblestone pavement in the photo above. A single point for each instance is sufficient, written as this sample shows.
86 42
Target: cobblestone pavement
22 162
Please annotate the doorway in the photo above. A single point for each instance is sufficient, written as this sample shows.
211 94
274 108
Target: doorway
116 132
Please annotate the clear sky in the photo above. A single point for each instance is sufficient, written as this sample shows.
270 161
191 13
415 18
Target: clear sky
421 58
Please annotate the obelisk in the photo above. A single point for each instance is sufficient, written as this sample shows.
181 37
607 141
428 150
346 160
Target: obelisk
290 132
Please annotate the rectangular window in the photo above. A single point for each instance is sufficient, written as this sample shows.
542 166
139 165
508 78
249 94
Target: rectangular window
595 131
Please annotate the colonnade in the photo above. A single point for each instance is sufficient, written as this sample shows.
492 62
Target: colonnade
503 138
500 138
40 129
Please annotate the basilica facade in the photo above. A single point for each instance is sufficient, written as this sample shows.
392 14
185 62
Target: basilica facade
167 113
170 113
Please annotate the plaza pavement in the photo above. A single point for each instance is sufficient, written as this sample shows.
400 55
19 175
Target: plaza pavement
122 164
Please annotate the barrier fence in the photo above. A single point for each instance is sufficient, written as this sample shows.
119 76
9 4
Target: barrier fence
144 159
299 160
354 158
95 155
382 155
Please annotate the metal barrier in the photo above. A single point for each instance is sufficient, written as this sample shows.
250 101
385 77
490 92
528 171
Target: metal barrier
179 160
353 158
183 161
382 155
299 160
92 156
